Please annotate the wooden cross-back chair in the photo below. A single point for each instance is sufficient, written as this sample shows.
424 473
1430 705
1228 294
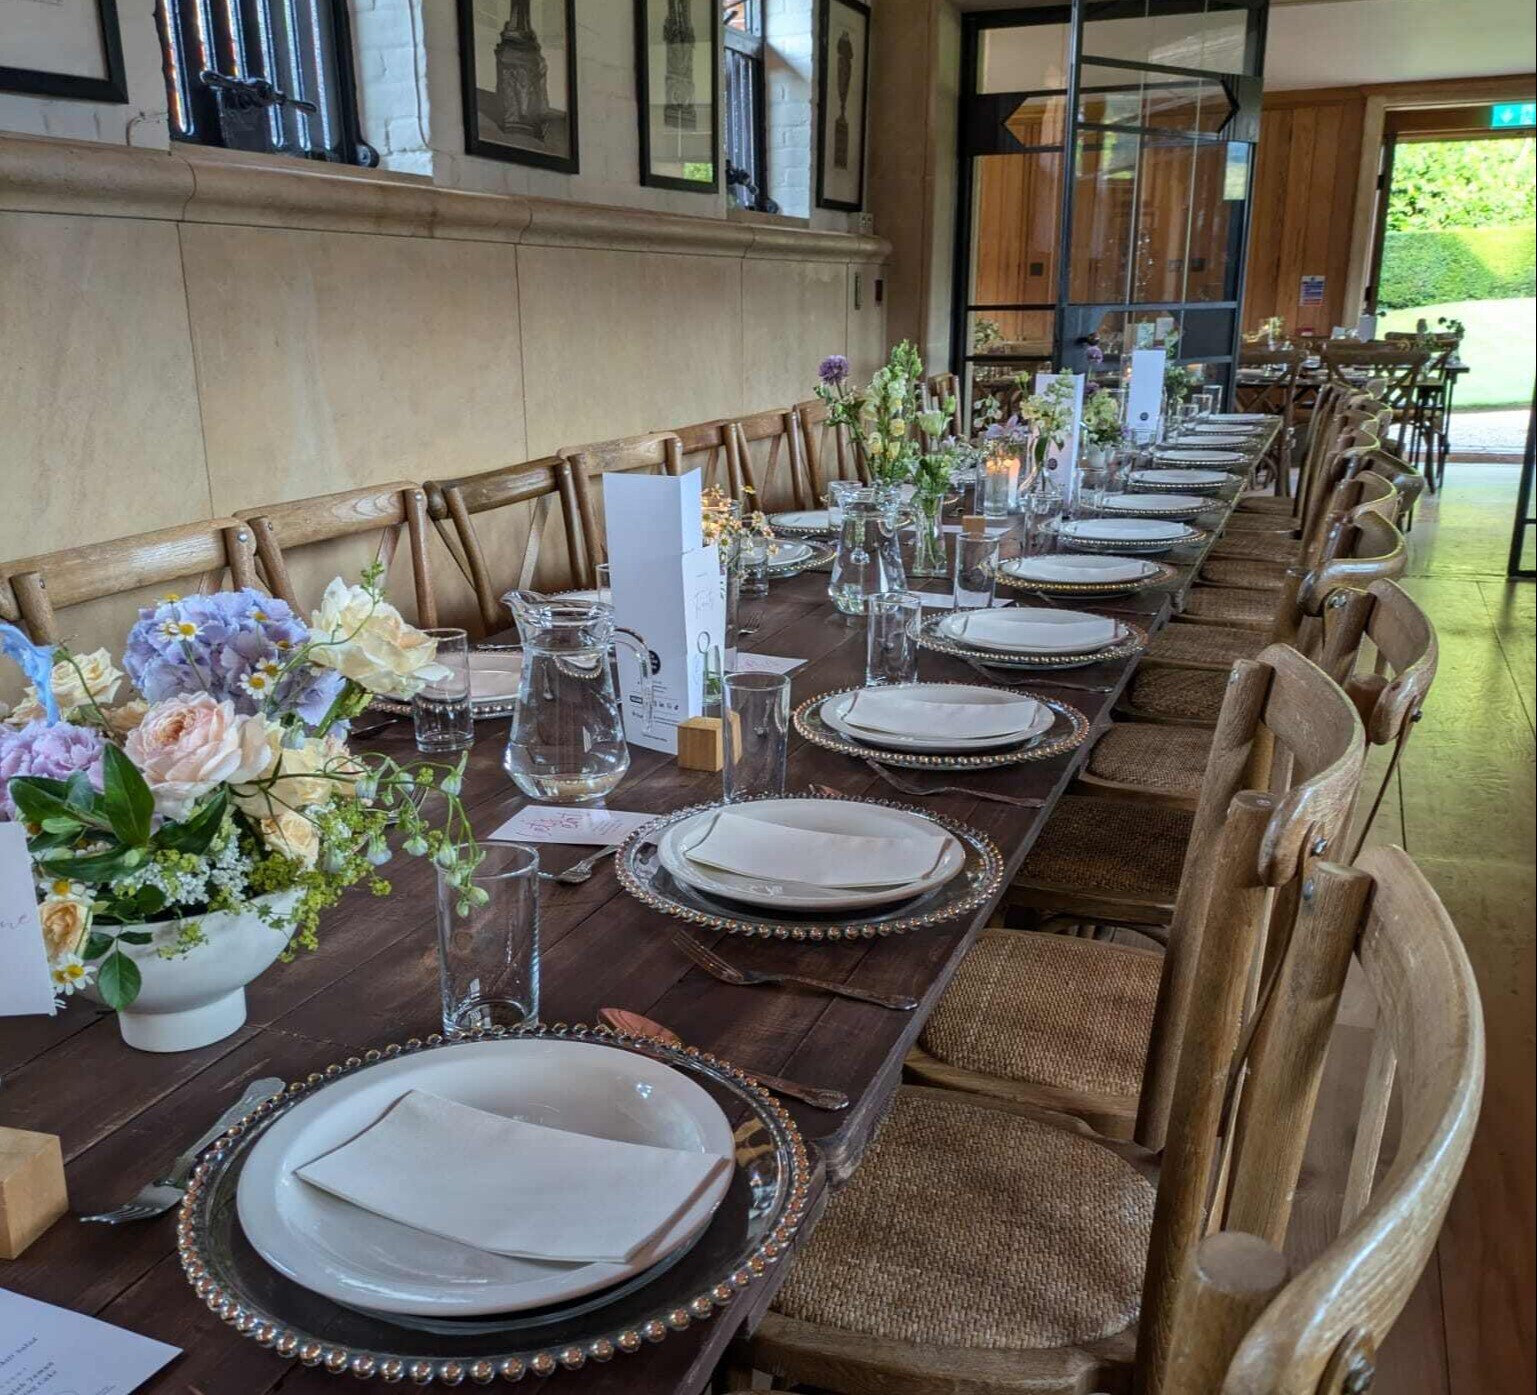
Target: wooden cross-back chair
1409 482
1242 1323
656 452
827 454
34 589
279 530
768 472
990 1247
1398 371
1430 427
534 486
1276 395
707 446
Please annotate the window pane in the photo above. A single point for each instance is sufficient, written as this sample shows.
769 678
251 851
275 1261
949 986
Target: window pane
1153 98
1163 221
1017 202
1026 58
1215 41
1010 334
1220 187
1104 194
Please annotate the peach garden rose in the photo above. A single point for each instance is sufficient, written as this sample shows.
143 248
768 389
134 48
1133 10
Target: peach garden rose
186 746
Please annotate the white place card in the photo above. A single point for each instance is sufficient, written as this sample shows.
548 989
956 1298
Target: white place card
765 663
1067 453
540 823
25 986
1144 398
46 1350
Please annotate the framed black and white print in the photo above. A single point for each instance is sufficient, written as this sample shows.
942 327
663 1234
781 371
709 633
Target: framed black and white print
517 68
843 68
62 48
677 84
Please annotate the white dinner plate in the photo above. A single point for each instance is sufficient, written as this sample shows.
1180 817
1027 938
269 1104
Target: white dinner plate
790 552
1154 505
1191 479
1224 440
803 521
845 816
1260 417
1085 567
355 1257
1105 532
1185 456
1041 721
494 676
602 594
953 628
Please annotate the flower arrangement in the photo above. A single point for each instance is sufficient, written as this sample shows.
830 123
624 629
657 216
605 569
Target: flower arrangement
1048 415
1101 420
984 334
226 777
1176 382
880 418
725 522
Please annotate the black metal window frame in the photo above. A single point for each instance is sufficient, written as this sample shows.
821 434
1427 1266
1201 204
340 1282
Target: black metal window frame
274 76
1068 348
746 109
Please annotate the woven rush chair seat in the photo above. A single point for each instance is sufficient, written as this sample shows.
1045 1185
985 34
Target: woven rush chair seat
1111 849
1231 605
1259 547
1179 694
957 1232
1273 504
1245 572
1052 1010
1206 646
1166 760
1260 523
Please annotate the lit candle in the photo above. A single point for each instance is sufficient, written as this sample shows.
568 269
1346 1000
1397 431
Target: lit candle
1000 485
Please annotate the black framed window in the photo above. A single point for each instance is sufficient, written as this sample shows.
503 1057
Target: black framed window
268 75
746 137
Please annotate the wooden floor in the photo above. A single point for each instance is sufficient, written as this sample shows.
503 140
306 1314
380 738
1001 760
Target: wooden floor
1463 806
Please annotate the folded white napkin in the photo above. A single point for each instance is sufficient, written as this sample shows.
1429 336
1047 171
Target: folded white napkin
907 713
1131 529
1158 503
1178 477
512 1188
1078 566
1045 631
777 853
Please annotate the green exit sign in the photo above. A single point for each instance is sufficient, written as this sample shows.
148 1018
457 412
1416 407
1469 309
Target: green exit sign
1506 116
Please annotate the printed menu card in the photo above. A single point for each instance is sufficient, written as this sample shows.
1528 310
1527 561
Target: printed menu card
46 1350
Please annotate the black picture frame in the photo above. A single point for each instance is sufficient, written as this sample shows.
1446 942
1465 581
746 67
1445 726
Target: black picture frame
476 143
824 69
111 88
648 175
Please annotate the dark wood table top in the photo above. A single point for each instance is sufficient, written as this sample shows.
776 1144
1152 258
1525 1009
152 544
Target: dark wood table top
123 1115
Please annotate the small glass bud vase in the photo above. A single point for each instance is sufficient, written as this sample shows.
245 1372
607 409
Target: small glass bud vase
929 555
1000 484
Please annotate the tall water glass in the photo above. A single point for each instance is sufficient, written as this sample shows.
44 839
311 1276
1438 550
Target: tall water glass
891 638
976 571
755 734
488 941
1043 503
441 710
752 566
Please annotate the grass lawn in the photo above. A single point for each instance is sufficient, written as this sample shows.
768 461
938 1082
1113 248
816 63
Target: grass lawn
1500 348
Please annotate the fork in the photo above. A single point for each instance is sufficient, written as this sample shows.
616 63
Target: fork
1039 677
579 872
907 786
727 972
157 1197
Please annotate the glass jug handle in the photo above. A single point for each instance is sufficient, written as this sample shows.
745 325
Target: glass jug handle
647 687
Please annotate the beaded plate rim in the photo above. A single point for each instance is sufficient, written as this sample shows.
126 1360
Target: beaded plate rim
1153 547
823 551
928 638
338 1358
834 931
810 725
1165 573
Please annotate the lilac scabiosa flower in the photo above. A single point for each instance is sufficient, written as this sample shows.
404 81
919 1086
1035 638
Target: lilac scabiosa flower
834 370
1094 354
55 751
233 645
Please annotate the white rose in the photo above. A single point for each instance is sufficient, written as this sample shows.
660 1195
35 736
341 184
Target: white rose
305 775
291 834
367 640
185 746
82 680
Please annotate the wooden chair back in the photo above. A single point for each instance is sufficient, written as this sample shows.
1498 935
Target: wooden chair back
280 530
1241 1324
1408 481
34 589
768 472
826 451
455 504
707 446
1276 395
1397 370
656 452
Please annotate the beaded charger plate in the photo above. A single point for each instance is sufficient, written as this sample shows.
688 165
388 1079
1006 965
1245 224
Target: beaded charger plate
929 637
821 552
1068 731
749 1232
1161 575
1192 536
640 871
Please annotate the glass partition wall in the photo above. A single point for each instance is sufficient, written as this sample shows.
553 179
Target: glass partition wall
1106 158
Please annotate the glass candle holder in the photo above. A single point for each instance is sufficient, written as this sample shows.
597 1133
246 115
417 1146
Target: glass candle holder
1000 485
488 941
891 638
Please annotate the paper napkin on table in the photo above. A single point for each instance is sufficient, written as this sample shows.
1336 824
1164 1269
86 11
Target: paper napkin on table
911 714
509 1187
1137 529
1078 566
1047 631
775 852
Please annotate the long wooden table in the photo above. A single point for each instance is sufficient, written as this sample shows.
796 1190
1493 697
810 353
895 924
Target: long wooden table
123 1115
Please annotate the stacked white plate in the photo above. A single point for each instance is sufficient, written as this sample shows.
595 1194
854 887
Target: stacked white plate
1200 481
1210 459
1228 417
937 717
358 1257
816 855
1079 569
791 552
1148 535
1154 505
1032 631
1227 440
803 521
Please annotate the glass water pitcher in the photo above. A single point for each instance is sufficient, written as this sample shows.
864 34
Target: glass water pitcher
566 744
869 559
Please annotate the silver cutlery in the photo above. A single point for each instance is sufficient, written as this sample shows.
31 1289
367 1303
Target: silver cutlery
1038 677
727 972
907 786
636 1025
157 1197
579 872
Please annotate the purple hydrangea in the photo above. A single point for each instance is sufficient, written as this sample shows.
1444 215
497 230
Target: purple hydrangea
833 370
1012 431
55 751
233 645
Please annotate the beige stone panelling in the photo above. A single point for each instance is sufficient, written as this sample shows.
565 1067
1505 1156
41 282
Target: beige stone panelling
328 361
778 367
616 343
866 319
99 432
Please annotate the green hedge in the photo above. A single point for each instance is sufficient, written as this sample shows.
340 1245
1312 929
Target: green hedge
1425 268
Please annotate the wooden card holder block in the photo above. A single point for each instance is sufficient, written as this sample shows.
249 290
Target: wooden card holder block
32 1193
700 743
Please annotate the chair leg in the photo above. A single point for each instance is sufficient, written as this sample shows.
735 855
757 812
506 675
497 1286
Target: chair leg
733 1377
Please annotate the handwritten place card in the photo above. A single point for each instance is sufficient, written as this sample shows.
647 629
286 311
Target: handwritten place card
765 663
25 986
46 1350
540 823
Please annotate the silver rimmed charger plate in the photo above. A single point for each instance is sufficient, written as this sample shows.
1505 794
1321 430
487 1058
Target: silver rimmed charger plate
929 637
803 523
1147 481
1130 547
1161 575
641 873
820 552
481 708
1179 507
1068 731
761 1212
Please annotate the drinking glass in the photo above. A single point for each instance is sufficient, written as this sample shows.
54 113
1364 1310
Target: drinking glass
1043 503
755 734
441 710
488 941
891 638
1093 484
604 575
976 565
752 566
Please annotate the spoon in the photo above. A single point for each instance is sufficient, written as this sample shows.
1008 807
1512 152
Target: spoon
633 1024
